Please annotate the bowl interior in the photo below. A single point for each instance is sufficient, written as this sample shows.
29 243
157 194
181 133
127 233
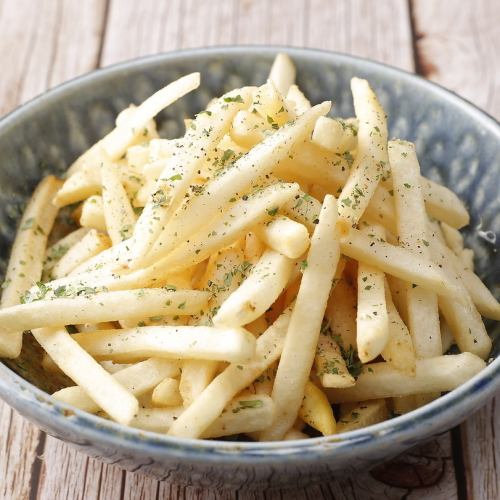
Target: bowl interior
457 145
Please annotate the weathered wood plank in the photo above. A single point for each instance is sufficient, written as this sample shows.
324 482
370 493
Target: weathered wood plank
376 30
41 45
457 46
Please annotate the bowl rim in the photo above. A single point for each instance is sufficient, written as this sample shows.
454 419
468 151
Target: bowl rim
414 425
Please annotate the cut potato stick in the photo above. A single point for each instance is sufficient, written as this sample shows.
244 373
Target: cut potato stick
453 238
483 299
92 244
372 323
96 382
284 235
55 252
462 317
282 73
271 105
304 209
258 292
181 167
253 247
330 365
166 393
443 204
92 215
337 135
139 379
439 374
316 410
118 212
191 342
243 415
363 415
26 258
399 351
72 308
235 222
371 162
422 305
341 314
236 377
304 330
397 261
248 129
258 162
117 141
299 101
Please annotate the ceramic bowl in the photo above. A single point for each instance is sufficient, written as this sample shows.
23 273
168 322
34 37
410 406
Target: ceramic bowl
457 144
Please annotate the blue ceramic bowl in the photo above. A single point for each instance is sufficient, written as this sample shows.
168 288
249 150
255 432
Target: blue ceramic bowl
458 145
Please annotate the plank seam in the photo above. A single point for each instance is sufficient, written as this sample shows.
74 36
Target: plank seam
36 467
415 37
457 455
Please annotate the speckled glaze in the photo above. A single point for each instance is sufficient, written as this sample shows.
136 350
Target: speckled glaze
457 144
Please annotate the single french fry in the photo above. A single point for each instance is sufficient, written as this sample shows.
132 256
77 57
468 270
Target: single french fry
305 209
443 204
236 377
372 323
25 265
453 238
266 280
117 141
181 342
284 235
363 415
398 293
269 102
399 351
166 393
299 101
331 367
118 212
341 314
248 129
282 73
439 374
258 162
337 135
78 365
294 434
397 261
56 251
89 246
304 330
138 379
73 308
422 305
462 317
253 247
316 410
371 162
92 215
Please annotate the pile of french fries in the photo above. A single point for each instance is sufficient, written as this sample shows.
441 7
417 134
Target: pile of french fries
275 272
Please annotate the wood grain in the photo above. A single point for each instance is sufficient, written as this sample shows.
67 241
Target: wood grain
52 47
457 46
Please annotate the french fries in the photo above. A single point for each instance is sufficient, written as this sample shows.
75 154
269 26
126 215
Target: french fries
266 271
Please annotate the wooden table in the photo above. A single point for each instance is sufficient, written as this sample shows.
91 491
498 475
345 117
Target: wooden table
453 42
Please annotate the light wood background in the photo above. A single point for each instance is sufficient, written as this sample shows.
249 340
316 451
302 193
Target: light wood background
453 42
